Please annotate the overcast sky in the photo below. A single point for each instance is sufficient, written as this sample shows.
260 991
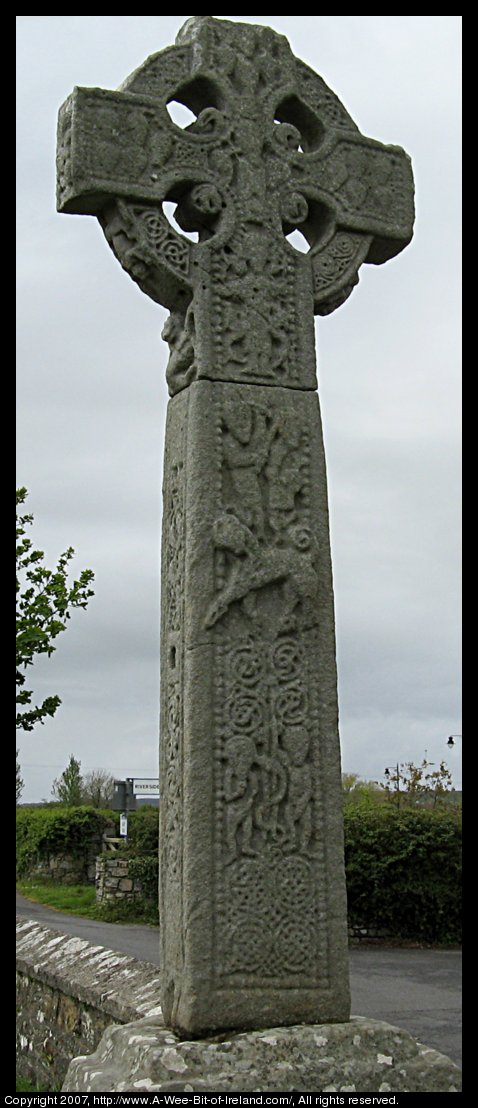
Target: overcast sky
92 401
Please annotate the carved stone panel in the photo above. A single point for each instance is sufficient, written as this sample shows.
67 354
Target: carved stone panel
250 713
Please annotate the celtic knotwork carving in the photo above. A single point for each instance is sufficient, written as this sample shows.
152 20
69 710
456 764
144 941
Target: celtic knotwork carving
244 711
251 946
270 924
148 248
290 705
172 693
266 821
335 270
294 884
245 664
162 239
172 785
294 940
174 529
251 888
287 659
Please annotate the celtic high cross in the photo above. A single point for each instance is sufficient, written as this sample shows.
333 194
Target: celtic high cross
252 902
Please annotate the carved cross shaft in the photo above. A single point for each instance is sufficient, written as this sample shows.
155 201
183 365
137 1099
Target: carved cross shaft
252 889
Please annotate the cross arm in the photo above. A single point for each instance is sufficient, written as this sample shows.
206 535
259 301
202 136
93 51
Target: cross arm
123 145
367 186
360 197
109 144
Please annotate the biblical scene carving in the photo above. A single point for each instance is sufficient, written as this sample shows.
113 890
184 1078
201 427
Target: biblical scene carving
262 537
254 309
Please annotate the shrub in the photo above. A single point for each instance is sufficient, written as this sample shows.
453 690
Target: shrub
142 850
403 870
42 832
145 869
143 830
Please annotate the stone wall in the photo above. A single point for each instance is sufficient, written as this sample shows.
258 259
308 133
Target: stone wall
68 868
358 934
113 880
68 992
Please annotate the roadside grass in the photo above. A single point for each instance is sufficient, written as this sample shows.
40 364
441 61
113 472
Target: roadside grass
23 1085
80 900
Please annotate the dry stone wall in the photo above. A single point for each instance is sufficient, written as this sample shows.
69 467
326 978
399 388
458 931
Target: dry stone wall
68 992
113 880
66 869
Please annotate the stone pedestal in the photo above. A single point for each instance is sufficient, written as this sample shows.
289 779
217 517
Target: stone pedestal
363 1055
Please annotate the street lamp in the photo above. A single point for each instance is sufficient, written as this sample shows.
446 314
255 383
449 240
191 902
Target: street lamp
389 777
451 740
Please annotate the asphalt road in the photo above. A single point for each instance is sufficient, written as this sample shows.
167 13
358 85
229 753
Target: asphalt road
419 990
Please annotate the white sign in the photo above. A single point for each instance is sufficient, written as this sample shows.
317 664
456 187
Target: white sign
146 786
123 825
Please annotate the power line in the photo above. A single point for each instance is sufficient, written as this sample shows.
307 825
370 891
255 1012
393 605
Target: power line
47 765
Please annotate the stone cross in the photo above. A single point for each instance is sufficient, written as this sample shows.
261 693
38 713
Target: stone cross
252 891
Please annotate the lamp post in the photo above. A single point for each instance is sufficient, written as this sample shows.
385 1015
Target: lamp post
451 740
397 781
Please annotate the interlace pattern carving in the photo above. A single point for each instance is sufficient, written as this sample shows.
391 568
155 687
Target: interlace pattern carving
172 677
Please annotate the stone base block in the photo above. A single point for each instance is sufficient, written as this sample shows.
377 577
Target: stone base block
362 1055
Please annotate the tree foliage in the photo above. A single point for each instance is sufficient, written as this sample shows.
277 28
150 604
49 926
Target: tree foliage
98 788
411 784
68 788
44 832
45 599
357 791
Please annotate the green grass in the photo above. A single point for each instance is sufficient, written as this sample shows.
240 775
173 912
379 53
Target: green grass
23 1085
80 900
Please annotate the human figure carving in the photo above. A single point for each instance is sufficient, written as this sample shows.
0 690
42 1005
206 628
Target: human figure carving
295 745
178 331
246 439
241 784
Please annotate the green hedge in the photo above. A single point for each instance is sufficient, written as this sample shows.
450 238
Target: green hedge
145 868
403 867
143 830
403 870
42 832
142 850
